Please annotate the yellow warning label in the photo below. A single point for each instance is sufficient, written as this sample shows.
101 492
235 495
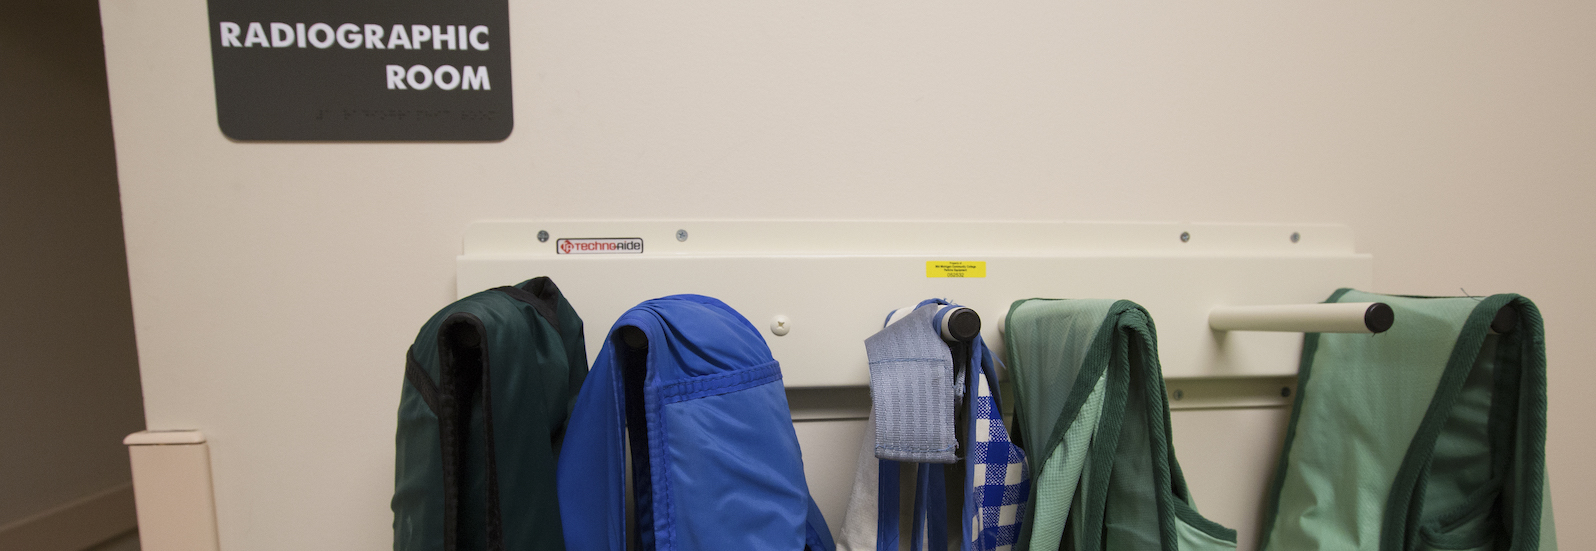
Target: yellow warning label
955 268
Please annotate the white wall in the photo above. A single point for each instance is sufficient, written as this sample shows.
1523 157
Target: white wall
69 388
1455 137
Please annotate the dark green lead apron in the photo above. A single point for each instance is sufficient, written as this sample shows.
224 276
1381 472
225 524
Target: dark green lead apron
1429 436
489 384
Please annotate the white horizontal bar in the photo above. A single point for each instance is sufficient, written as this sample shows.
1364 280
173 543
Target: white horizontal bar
1346 317
519 238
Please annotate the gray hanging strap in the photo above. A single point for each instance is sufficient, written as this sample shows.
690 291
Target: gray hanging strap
911 387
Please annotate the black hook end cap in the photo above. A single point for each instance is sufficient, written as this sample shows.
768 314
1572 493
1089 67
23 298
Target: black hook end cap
633 337
1505 321
1379 317
964 324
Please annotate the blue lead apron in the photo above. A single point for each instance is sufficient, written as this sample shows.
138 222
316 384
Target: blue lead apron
715 460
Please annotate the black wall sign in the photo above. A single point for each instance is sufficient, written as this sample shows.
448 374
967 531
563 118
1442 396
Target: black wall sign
362 70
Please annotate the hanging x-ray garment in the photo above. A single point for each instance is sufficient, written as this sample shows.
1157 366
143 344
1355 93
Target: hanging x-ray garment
1091 410
715 460
489 383
1429 436
918 383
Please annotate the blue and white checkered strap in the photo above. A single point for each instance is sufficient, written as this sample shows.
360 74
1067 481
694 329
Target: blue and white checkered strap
999 481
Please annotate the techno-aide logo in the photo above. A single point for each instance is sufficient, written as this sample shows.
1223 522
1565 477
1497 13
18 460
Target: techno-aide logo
599 245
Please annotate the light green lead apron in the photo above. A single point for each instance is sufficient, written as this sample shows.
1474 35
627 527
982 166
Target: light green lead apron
1093 416
1429 436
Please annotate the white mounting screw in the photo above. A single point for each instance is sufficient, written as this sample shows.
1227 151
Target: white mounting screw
780 325
681 235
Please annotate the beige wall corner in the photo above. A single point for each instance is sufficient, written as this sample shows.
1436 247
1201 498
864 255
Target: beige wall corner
172 477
